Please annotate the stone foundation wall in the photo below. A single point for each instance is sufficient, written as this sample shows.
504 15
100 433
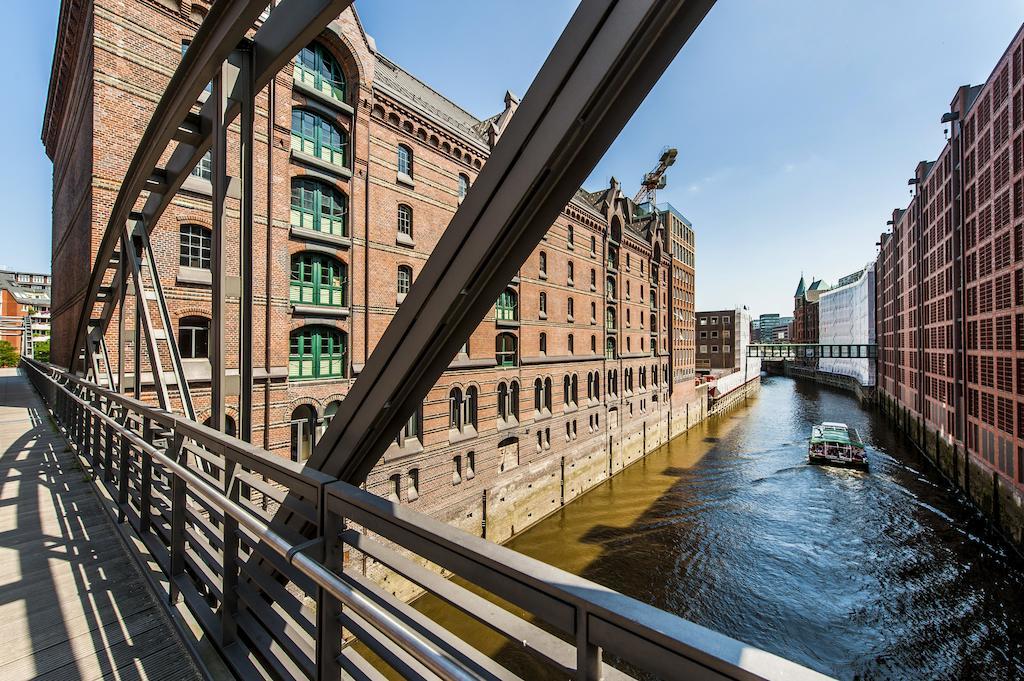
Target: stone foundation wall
865 394
996 498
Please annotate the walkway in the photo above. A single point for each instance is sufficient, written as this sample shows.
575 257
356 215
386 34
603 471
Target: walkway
73 604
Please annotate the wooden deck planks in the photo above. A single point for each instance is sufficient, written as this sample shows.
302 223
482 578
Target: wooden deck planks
73 604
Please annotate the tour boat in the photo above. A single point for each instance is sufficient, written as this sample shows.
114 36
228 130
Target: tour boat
836 444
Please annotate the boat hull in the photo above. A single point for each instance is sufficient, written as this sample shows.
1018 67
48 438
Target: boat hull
837 463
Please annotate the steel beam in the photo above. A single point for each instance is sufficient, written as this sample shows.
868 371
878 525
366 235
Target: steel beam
606 61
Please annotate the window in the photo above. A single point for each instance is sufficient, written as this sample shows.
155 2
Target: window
593 312
317 352
204 169
609 348
593 343
195 246
570 237
508 400
543 343
609 318
410 432
569 277
318 137
570 309
506 350
404 160
317 68
456 469
593 245
572 344
414 484
318 280
405 220
543 265
593 279
542 303
463 186
462 410
319 206
404 279
184 49
194 337
507 308
303 427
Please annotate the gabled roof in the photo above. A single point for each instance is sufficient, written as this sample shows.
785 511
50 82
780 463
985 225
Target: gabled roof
801 288
406 87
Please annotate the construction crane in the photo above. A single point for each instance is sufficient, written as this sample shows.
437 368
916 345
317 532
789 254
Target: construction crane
655 180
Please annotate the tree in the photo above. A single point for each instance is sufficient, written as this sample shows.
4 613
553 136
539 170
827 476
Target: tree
8 355
41 352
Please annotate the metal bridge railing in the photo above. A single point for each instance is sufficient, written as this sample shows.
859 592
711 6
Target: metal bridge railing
283 604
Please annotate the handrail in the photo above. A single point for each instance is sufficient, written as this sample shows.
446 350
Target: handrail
592 616
436 660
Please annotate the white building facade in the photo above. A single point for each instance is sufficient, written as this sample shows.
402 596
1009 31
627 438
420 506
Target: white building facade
846 316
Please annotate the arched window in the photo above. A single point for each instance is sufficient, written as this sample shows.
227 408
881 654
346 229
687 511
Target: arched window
503 410
654 323
455 409
593 245
318 137
195 246
230 428
575 389
547 394
508 306
303 427
570 278
542 304
404 160
570 309
543 343
329 411
571 341
609 348
593 279
404 279
318 69
609 318
405 220
653 300
470 410
538 395
567 390
543 264
597 385
513 399
463 186
194 337
318 206
593 312
317 352
609 287
593 343
318 280
506 350
570 237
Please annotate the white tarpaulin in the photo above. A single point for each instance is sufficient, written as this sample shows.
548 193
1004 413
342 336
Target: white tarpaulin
846 316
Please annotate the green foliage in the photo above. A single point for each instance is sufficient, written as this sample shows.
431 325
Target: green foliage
8 355
42 351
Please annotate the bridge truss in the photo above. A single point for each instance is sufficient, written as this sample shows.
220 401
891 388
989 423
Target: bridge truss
231 558
782 351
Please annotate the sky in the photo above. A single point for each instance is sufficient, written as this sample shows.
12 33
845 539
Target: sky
798 122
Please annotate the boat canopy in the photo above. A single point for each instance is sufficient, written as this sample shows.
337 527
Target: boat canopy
835 433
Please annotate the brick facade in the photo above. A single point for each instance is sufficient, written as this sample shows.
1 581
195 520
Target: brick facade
603 370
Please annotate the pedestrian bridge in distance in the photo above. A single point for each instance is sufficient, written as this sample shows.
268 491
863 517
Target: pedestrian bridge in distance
783 351
257 559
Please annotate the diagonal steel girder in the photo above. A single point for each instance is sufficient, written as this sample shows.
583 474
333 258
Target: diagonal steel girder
290 26
607 59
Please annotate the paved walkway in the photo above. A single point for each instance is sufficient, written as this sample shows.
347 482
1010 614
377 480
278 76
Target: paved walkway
73 604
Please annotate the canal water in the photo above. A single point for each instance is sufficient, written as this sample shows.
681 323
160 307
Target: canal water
886 574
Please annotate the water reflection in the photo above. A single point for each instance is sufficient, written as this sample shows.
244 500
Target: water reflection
885 574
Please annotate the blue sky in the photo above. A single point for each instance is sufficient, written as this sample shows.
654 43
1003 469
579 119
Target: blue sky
798 122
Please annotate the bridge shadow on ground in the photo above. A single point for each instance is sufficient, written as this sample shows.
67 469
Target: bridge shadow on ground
73 604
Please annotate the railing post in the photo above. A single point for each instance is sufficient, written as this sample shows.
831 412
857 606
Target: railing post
178 499
108 453
588 655
122 477
146 482
328 609
229 579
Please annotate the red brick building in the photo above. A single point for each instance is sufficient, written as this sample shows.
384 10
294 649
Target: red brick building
950 297
360 167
